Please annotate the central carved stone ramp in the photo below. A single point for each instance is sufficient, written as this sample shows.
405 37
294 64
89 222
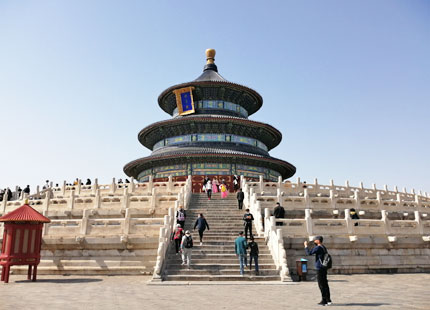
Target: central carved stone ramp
216 260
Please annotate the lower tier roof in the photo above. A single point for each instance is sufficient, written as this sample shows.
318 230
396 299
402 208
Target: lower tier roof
135 167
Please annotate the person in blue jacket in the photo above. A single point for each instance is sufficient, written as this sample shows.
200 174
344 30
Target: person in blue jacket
319 250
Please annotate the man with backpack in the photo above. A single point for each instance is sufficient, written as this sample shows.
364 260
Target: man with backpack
322 264
187 248
180 216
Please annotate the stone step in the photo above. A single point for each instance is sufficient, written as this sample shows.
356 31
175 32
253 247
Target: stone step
218 260
235 271
225 251
177 265
249 277
203 254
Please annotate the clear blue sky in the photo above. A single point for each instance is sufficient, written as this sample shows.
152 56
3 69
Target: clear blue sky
347 83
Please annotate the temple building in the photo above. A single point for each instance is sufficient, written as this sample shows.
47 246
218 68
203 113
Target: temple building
209 134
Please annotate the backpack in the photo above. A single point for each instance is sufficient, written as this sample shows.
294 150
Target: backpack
188 242
181 216
327 261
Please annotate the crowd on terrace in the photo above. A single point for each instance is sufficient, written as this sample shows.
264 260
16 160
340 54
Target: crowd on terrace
19 193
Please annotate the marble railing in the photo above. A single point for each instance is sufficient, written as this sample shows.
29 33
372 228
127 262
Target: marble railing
309 227
293 196
124 197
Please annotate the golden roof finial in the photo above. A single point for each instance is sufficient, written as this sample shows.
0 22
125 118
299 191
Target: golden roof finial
210 56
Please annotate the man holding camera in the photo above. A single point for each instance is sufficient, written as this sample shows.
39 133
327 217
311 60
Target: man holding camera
319 250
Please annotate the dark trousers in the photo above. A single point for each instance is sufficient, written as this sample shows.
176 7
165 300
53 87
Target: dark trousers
182 223
201 235
177 244
209 192
240 204
248 226
255 258
323 284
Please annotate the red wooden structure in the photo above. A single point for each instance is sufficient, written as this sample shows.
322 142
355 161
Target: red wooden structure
22 238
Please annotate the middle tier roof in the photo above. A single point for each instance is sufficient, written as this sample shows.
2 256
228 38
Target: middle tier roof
194 124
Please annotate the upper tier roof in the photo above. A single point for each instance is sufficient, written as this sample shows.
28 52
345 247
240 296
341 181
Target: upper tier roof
210 85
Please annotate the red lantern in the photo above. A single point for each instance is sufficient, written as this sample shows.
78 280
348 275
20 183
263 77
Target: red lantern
22 238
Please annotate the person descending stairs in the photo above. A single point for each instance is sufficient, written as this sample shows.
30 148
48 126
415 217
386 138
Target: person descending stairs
215 259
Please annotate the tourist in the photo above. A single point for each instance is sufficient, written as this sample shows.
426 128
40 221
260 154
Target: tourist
247 222
354 215
180 216
235 183
224 190
9 194
215 185
1 194
19 190
205 180
76 182
209 189
240 249
240 197
27 190
187 248
304 185
177 237
120 181
253 254
279 213
88 182
46 186
201 225
319 250
127 181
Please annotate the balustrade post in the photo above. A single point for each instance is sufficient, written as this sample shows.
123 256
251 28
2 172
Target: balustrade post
98 199
125 199
307 199
113 186
266 222
127 222
85 222
332 199
131 186
379 199
278 195
386 222
4 202
420 227
63 190
79 187
348 221
153 198
170 184
399 199
279 181
71 204
261 183
280 246
150 184
46 202
95 186
309 224
298 182
332 183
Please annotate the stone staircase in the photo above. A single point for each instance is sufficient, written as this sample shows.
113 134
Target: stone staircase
216 260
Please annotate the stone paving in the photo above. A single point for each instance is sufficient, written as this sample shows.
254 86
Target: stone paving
395 291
